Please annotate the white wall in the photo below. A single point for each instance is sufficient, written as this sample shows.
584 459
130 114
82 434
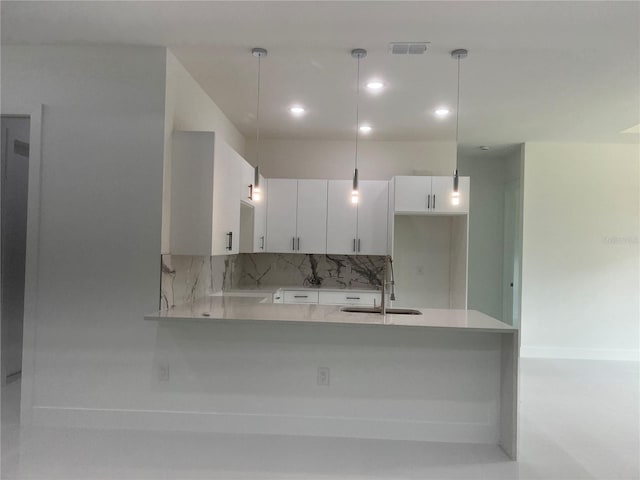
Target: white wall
334 159
100 217
188 107
486 221
580 285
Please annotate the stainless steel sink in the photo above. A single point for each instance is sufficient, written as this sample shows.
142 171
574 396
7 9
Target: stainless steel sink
395 311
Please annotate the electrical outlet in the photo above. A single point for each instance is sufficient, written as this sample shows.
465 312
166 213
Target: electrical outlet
323 376
163 372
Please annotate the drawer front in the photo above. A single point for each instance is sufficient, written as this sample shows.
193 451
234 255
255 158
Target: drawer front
349 298
300 296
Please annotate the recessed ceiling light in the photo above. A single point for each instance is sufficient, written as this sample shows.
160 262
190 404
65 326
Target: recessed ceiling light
442 112
365 128
375 85
297 110
484 147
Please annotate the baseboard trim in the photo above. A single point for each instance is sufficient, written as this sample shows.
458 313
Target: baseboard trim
581 353
251 423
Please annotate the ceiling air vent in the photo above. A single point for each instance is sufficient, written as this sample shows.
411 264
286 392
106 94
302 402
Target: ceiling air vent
408 48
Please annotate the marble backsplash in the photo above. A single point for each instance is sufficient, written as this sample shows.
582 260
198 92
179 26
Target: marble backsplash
309 270
187 278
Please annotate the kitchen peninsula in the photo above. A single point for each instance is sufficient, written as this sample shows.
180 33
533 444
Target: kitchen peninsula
253 335
445 375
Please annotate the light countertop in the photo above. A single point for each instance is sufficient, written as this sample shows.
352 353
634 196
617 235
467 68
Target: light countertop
251 308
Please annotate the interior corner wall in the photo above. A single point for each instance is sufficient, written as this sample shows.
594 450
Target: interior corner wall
100 218
580 265
334 159
188 107
486 232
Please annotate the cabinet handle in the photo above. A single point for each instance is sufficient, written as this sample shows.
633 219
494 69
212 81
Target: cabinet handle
293 243
298 243
428 201
354 244
353 298
229 241
262 242
250 192
434 201
301 296
358 245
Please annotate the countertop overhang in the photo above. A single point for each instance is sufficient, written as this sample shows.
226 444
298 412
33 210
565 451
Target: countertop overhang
252 309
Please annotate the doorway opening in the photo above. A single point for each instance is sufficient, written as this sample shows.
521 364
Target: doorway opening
14 184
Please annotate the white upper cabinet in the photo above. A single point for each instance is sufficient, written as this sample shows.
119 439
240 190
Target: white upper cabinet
342 217
246 183
442 198
282 207
412 193
205 212
311 236
357 228
430 195
227 176
260 218
372 217
297 216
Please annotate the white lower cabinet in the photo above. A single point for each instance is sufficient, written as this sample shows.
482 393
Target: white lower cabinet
349 298
300 296
343 297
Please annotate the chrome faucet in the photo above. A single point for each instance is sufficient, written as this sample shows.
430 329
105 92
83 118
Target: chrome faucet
388 261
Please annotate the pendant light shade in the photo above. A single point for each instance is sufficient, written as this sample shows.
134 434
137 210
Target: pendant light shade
457 54
357 53
259 53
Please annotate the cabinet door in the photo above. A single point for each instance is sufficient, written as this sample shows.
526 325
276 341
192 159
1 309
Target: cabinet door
341 218
227 179
246 183
300 296
412 194
373 217
191 193
349 298
260 219
281 215
311 234
442 199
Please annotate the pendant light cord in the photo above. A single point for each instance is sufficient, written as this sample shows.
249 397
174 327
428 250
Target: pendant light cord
458 107
357 110
258 116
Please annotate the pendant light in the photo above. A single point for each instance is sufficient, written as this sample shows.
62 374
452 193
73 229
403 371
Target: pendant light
258 53
458 55
357 53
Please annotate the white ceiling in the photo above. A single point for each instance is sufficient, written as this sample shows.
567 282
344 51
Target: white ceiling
554 71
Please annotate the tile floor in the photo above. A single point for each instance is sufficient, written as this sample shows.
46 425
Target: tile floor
579 420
